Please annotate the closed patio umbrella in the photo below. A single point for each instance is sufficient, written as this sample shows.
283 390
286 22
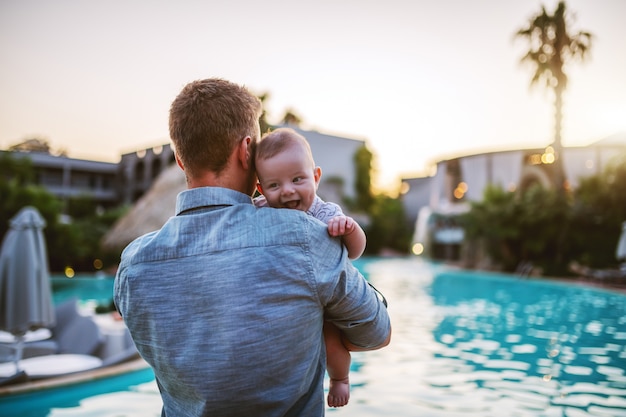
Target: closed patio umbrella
25 294
620 252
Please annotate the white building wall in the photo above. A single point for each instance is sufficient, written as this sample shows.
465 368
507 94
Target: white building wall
579 163
474 172
417 196
506 169
608 154
437 192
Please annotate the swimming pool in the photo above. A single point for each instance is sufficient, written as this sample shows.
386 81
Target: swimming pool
464 344
90 290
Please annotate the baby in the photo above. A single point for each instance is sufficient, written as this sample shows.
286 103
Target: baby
288 178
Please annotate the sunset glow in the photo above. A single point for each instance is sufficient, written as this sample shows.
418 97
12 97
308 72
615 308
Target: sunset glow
420 81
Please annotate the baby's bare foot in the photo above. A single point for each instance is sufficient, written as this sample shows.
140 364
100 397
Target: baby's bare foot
338 392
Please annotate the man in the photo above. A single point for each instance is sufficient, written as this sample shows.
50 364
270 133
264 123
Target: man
226 302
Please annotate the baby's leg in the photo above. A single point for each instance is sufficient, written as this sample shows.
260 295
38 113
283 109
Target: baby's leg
338 364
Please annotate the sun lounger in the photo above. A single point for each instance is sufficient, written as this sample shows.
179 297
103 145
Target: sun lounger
73 333
77 344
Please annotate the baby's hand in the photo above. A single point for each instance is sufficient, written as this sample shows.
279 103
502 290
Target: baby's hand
341 226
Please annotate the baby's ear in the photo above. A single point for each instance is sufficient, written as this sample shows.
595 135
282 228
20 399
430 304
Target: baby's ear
317 174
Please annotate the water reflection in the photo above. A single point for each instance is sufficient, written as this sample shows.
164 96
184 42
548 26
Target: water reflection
488 345
554 332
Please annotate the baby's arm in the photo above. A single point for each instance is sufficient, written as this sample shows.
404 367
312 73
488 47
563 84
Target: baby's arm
351 233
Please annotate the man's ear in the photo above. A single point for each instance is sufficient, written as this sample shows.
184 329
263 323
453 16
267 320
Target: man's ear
245 152
178 161
317 175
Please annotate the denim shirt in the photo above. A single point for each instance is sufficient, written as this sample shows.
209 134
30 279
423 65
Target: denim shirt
226 302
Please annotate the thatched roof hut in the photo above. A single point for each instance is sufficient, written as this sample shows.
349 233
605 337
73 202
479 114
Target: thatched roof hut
150 212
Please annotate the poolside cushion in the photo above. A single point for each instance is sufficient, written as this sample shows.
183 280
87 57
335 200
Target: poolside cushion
51 365
65 313
80 336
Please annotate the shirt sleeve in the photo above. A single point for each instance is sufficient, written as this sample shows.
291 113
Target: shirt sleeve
349 301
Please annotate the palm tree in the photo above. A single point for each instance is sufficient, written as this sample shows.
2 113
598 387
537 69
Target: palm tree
551 47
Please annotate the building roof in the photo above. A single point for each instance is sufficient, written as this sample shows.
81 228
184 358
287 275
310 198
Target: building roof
42 159
313 135
617 139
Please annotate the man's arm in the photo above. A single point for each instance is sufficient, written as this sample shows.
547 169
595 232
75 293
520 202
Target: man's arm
354 348
349 301
372 330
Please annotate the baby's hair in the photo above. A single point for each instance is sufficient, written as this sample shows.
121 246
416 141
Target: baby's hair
280 139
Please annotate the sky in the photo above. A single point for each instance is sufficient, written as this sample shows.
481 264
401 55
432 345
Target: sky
419 81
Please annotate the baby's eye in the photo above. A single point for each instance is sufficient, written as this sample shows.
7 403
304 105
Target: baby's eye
297 179
272 185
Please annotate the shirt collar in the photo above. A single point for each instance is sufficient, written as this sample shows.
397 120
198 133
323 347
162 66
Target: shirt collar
209 196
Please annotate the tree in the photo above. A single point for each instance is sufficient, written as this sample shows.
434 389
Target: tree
388 229
551 46
521 227
291 118
598 212
32 145
36 144
263 124
363 183
75 243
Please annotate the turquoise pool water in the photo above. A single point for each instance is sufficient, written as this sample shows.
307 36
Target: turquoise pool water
464 344
90 290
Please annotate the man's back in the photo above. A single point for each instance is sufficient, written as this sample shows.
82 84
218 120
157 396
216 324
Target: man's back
226 302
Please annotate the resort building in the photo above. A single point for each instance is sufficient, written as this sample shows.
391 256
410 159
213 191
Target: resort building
432 203
68 178
138 170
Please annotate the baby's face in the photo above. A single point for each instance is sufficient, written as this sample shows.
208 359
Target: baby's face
288 179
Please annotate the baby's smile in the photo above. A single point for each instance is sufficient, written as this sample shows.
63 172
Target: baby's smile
291 204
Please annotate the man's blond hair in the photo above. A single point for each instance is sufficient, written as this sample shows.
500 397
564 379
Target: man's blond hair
207 120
